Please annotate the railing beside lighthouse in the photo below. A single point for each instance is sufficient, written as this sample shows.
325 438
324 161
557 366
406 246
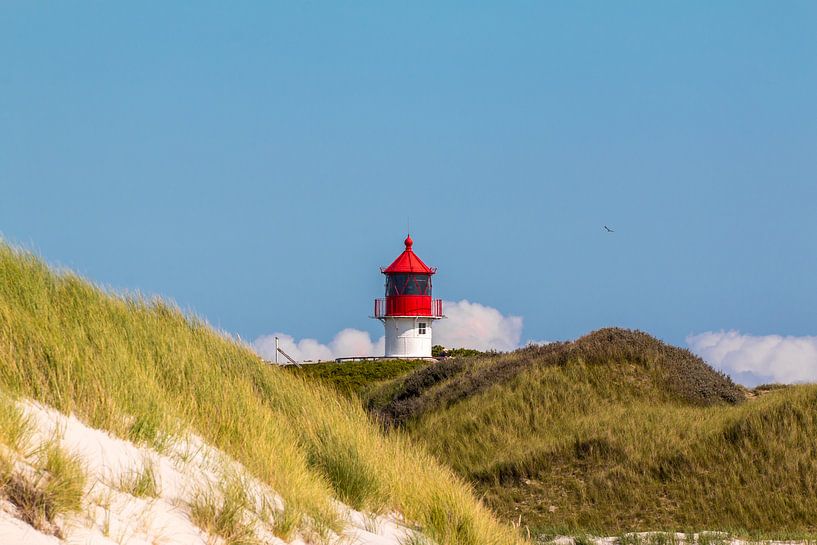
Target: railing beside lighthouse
381 309
437 308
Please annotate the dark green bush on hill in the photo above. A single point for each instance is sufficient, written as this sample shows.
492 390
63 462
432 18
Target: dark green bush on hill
355 377
684 374
439 351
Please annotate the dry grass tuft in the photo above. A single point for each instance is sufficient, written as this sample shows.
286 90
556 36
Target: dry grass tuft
52 487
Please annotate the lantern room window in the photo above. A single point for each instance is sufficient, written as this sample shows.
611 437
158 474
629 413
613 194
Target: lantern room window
408 284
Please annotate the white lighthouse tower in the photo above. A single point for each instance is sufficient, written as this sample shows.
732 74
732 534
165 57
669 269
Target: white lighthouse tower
408 309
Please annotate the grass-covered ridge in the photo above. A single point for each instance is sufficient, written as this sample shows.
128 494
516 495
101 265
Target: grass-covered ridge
648 368
143 370
616 432
356 377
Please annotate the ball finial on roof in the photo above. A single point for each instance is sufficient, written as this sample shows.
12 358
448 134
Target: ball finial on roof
408 242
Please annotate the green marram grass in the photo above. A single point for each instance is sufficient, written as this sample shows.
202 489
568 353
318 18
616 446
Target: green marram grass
142 481
142 369
222 512
15 427
616 432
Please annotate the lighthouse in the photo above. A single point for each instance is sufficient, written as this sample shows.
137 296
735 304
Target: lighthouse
408 310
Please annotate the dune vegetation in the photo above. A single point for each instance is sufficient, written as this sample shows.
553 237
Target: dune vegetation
142 370
616 432
355 378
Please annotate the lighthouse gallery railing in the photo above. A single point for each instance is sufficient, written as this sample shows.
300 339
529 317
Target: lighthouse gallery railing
381 310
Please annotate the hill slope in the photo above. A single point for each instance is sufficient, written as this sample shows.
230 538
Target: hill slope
615 432
145 372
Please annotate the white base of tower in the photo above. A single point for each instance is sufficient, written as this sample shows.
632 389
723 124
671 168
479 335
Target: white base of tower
408 336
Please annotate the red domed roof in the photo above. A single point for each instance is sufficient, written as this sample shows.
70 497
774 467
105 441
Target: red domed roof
408 262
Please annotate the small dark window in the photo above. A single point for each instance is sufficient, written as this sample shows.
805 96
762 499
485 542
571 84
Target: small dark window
421 328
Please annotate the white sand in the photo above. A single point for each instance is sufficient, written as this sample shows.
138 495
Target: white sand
188 467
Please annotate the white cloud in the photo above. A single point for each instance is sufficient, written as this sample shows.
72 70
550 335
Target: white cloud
471 325
468 325
753 360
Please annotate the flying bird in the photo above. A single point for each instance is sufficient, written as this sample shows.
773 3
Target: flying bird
608 229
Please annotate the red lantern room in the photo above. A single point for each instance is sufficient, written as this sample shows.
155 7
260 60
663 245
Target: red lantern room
408 309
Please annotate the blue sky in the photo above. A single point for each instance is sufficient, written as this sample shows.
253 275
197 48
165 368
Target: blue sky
257 162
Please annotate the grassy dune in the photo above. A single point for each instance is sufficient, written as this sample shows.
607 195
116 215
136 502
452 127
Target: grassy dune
144 371
616 432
